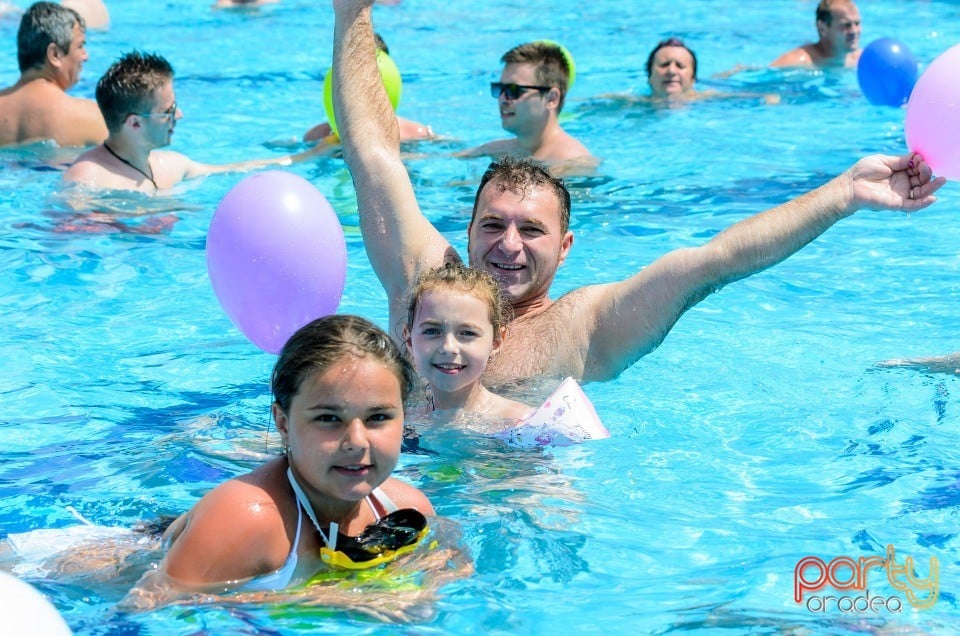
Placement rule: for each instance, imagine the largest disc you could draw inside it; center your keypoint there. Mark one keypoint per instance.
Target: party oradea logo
(863, 584)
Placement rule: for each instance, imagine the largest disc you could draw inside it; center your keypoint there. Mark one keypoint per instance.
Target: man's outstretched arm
(399, 240)
(635, 315)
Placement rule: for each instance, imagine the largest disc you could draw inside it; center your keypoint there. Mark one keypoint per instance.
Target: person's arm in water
(398, 238)
(948, 364)
(409, 131)
(193, 169)
(632, 317)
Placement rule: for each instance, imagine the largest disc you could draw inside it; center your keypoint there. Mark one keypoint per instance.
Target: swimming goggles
(513, 91)
(394, 535)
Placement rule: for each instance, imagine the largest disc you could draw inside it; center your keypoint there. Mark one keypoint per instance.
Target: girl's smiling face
(343, 427)
(451, 339)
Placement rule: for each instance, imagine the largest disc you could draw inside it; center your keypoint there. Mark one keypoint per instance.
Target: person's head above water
(519, 231)
(46, 25)
(131, 86)
(456, 320)
(838, 43)
(339, 387)
(530, 94)
(838, 25)
(51, 52)
(138, 102)
(671, 68)
(455, 277)
(549, 65)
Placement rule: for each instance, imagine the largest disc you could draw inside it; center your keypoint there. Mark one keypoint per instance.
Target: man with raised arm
(138, 102)
(519, 233)
(51, 50)
(838, 29)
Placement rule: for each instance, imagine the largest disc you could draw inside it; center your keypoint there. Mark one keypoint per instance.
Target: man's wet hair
(521, 175)
(128, 85)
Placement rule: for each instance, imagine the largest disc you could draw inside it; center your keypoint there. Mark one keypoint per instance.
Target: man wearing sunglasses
(520, 234)
(138, 102)
(530, 95)
(51, 50)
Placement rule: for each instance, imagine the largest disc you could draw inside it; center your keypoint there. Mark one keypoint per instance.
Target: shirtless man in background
(838, 25)
(51, 50)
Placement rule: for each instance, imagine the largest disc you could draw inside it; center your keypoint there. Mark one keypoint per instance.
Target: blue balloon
(887, 72)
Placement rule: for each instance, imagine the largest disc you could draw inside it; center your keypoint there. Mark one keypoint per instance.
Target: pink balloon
(932, 125)
(276, 257)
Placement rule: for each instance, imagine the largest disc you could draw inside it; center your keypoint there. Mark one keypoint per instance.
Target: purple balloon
(276, 257)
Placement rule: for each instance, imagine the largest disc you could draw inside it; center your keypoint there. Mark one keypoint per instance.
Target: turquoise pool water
(759, 433)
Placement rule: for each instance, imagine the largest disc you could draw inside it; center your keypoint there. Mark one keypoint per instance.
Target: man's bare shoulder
(801, 56)
(565, 154)
(88, 168)
(492, 149)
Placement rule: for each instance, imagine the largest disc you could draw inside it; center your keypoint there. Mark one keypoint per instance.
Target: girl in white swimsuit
(339, 388)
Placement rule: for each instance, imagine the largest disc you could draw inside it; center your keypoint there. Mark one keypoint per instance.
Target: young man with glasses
(139, 105)
(520, 233)
(51, 50)
(530, 94)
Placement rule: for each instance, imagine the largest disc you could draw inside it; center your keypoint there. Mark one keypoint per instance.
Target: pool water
(761, 431)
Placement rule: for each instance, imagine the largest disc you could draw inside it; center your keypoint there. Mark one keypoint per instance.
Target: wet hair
(521, 175)
(825, 10)
(320, 344)
(457, 277)
(552, 65)
(128, 86)
(43, 23)
(671, 42)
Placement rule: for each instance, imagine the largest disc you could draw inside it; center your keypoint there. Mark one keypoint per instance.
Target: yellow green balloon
(392, 81)
(568, 56)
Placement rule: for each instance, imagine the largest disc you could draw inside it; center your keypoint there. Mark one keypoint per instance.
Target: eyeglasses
(170, 112)
(513, 91)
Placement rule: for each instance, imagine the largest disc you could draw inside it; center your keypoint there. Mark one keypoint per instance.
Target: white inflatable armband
(566, 417)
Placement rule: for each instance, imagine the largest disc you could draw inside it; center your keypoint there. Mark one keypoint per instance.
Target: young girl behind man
(455, 323)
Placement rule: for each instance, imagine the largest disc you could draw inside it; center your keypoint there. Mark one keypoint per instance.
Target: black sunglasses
(513, 91)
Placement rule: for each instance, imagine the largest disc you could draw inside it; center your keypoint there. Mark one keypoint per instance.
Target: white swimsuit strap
(305, 504)
(377, 495)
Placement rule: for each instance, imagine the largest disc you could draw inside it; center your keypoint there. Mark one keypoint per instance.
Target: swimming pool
(759, 433)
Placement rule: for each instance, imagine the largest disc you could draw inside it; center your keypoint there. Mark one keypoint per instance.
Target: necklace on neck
(124, 161)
